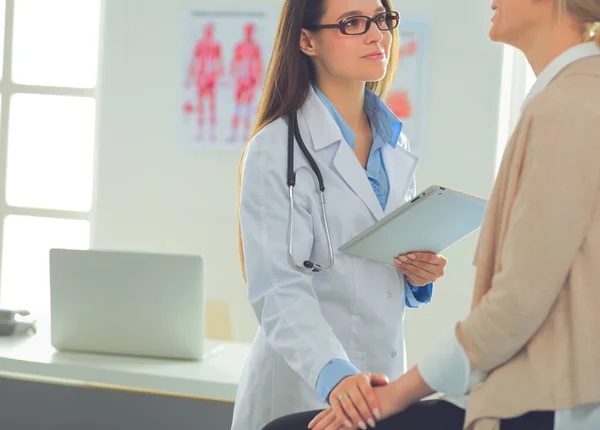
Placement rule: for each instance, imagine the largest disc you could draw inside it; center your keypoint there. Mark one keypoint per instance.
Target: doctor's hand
(421, 268)
(353, 402)
(388, 400)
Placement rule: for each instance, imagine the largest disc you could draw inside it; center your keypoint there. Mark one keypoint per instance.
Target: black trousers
(426, 415)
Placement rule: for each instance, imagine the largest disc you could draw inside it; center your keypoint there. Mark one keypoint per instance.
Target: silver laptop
(127, 303)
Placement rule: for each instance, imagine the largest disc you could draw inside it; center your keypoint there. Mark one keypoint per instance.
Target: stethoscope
(315, 172)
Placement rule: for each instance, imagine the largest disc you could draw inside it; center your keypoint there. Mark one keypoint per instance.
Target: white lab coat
(353, 312)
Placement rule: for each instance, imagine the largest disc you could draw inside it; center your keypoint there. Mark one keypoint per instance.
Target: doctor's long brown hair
(290, 73)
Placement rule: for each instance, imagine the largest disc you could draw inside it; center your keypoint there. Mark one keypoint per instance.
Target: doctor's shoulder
(268, 146)
(403, 142)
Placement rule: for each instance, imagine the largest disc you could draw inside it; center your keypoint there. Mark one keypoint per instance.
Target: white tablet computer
(434, 220)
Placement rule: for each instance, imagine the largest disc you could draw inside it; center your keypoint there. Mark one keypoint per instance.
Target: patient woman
(528, 354)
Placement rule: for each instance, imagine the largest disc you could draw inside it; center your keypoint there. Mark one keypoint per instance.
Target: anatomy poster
(407, 96)
(225, 56)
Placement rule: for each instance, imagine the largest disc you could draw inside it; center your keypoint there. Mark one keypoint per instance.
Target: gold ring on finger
(343, 397)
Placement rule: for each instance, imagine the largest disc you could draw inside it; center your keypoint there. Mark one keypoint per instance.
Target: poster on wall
(407, 96)
(225, 53)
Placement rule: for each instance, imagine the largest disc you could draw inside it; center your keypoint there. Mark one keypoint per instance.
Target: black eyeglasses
(356, 25)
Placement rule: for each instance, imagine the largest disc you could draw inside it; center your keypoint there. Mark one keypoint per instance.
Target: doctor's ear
(307, 43)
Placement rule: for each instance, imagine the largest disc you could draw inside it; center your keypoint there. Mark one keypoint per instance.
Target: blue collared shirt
(386, 129)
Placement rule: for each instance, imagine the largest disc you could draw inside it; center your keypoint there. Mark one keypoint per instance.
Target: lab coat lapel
(400, 165)
(354, 175)
(324, 132)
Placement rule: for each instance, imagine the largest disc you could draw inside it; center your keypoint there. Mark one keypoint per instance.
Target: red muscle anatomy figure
(205, 68)
(246, 70)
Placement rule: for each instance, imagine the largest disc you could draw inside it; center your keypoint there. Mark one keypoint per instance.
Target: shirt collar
(384, 122)
(571, 55)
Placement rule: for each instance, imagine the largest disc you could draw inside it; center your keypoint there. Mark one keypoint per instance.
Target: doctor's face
(515, 22)
(362, 57)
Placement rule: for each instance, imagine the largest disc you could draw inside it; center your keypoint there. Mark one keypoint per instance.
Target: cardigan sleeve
(557, 192)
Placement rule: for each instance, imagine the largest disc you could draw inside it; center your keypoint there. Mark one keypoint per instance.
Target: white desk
(32, 357)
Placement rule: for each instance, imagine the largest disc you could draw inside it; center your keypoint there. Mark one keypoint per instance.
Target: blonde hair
(587, 14)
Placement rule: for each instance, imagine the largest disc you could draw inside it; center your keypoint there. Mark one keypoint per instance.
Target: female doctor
(326, 319)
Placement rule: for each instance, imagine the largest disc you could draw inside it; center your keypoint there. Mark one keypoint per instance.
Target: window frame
(516, 83)
(7, 89)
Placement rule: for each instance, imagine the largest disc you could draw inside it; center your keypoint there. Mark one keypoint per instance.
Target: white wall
(151, 196)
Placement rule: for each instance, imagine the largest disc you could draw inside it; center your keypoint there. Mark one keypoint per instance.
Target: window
(517, 80)
(49, 64)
